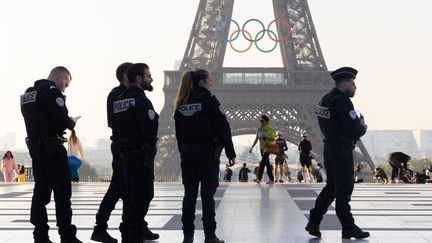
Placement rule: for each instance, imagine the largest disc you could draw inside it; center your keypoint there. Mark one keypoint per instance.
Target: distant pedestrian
(281, 156)
(304, 148)
(75, 156)
(265, 135)
(399, 164)
(9, 167)
(243, 173)
(227, 174)
(22, 174)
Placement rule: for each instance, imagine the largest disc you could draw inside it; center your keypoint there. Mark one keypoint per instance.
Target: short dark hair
(122, 69)
(265, 118)
(136, 70)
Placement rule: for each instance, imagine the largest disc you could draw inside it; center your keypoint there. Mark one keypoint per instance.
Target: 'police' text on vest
(123, 105)
(28, 97)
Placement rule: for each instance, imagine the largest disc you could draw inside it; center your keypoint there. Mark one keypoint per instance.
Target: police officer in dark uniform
(136, 125)
(46, 119)
(116, 187)
(202, 131)
(341, 128)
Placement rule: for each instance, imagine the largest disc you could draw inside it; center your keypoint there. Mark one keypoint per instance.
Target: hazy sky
(387, 41)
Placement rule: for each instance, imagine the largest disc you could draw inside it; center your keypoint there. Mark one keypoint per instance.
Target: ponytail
(189, 83)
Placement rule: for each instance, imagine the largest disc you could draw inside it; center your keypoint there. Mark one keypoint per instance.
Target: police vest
(327, 119)
(193, 120)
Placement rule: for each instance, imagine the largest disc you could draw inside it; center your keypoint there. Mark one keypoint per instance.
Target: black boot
(213, 240)
(148, 235)
(313, 229)
(101, 235)
(355, 232)
(188, 239)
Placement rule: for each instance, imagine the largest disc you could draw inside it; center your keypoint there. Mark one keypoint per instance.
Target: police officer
(341, 128)
(116, 186)
(136, 125)
(46, 119)
(202, 131)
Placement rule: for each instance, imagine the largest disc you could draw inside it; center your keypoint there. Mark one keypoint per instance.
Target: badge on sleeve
(60, 102)
(353, 115)
(221, 109)
(151, 114)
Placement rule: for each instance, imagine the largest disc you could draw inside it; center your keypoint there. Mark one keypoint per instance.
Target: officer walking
(202, 131)
(116, 187)
(341, 128)
(136, 125)
(46, 119)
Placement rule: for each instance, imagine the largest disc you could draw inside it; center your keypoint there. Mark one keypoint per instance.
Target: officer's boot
(313, 229)
(188, 238)
(213, 240)
(148, 235)
(70, 241)
(100, 234)
(355, 232)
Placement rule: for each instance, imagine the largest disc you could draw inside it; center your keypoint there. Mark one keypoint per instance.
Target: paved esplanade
(246, 212)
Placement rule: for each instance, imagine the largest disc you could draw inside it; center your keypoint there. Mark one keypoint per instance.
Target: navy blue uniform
(202, 131)
(341, 129)
(136, 125)
(116, 187)
(46, 118)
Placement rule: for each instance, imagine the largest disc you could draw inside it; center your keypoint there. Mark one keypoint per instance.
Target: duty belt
(43, 139)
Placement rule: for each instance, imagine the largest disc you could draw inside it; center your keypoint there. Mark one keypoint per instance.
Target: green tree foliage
(86, 171)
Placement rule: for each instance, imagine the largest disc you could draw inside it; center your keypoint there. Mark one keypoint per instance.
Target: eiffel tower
(287, 95)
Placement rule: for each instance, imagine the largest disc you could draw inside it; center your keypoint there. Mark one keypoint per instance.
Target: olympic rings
(280, 22)
(250, 43)
(256, 43)
(219, 29)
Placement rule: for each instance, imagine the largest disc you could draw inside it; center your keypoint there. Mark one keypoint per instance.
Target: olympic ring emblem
(248, 36)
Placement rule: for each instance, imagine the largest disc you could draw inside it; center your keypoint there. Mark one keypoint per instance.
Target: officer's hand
(75, 118)
(231, 162)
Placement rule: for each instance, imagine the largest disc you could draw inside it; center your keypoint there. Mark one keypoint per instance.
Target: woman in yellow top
(22, 174)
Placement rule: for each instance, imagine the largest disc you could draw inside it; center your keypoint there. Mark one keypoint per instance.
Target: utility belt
(44, 139)
(145, 148)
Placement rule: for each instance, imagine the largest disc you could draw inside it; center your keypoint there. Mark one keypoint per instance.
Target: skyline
(387, 44)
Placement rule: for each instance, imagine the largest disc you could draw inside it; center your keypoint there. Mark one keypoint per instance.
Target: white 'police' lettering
(28, 97)
(189, 110)
(322, 112)
(123, 105)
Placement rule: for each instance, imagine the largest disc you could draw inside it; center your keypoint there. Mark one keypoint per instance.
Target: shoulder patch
(322, 111)
(28, 97)
(353, 115)
(123, 105)
(151, 114)
(52, 87)
(60, 101)
(190, 109)
(221, 109)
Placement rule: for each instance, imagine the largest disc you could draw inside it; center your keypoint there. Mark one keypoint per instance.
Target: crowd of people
(11, 171)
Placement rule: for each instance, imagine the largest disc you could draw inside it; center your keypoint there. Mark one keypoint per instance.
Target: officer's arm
(221, 126)
(350, 123)
(109, 105)
(179, 141)
(56, 107)
(148, 120)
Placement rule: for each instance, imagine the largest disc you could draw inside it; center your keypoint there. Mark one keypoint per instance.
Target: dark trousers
(199, 165)
(398, 170)
(51, 173)
(114, 192)
(338, 162)
(265, 162)
(139, 191)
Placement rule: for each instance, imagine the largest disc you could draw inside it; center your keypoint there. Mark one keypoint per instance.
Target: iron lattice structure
(288, 95)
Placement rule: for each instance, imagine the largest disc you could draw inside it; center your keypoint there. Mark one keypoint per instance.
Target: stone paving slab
(246, 212)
